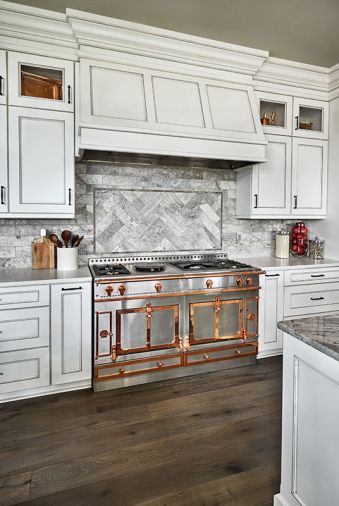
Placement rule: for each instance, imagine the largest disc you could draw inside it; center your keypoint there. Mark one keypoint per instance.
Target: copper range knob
(209, 283)
(249, 281)
(239, 281)
(109, 290)
(122, 290)
(158, 287)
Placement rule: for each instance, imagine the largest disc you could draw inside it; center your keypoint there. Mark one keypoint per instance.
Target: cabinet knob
(109, 290)
(158, 287)
(209, 283)
(122, 290)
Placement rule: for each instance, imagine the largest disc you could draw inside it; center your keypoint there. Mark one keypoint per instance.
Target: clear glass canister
(316, 248)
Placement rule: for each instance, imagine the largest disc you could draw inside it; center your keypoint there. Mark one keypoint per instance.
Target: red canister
(299, 239)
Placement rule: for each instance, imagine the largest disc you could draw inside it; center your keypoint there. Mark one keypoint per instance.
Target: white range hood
(153, 92)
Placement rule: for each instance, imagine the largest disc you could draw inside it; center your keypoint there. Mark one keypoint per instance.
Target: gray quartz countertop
(288, 263)
(43, 276)
(320, 332)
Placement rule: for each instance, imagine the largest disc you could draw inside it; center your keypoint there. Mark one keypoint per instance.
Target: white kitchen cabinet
(277, 111)
(3, 78)
(311, 118)
(271, 310)
(40, 82)
(309, 177)
(3, 161)
(41, 163)
(71, 325)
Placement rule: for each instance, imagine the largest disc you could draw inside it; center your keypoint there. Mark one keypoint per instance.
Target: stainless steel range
(162, 316)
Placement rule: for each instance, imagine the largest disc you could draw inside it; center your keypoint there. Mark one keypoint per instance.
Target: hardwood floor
(205, 440)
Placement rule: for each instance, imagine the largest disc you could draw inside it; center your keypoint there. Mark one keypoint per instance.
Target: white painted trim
(280, 501)
(52, 389)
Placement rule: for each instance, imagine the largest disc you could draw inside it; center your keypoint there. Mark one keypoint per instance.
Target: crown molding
(126, 37)
(37, 31)
(334, 82)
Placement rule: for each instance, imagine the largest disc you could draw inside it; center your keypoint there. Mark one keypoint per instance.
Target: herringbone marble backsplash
(124, 207)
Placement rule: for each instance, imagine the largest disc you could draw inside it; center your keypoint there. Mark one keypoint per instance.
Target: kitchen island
(310, 419)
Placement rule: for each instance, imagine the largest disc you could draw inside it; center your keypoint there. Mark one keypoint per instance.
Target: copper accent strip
(97, 334)
(182, 294)
(250, 316)
(148, 325)
(217, 305)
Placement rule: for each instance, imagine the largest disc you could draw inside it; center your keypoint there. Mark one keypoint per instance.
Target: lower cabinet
(24, 369)
(271, 310)
(71, 332)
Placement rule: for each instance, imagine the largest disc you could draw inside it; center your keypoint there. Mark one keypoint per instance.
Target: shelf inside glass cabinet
(41, 82)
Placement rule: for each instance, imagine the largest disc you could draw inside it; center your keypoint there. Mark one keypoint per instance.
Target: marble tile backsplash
(239, 238)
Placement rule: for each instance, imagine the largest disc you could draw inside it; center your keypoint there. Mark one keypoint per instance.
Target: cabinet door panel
(272, 179)
(71, 332)
(40, 82)
(41, 162)
(271, 310)
(278, 108)
(311, 118)
(24, 328)
(309, 177)
(3, 161)
(3, 78)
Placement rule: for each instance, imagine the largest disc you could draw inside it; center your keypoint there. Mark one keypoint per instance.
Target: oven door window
(147, 328)
(216, 320)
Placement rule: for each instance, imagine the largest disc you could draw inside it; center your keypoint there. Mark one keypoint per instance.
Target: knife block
(43, 255)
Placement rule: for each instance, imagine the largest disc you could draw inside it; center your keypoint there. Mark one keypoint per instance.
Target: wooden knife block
(43, 255)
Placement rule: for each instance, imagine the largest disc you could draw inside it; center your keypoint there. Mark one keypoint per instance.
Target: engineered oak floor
(207, 440)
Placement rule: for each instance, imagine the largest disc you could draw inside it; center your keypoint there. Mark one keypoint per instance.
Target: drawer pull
(317, 298)
(271, 275)
(71, 289)
(2, 374)
(317, 275)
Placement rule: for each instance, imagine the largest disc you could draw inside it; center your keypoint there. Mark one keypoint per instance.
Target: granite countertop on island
(320, 332)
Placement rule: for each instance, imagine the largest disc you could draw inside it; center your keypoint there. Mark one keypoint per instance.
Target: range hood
(152, 92)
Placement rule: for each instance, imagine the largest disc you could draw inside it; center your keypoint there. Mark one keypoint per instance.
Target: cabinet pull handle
(317, 275)
(3, 195)
(69, 94)
(2, 373)
(271, 275)
(297, 123)
(295, 201)
(1, 86)
(317, 298)
(255, 201)
(69, 289)
(69, 196)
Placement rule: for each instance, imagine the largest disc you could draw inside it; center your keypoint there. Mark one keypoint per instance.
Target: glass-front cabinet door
(310, 118)
(40, 82)
(275, 113)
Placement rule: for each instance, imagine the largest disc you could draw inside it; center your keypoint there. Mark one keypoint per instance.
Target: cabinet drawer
(297, 277)
(24, 328)
(142, 366)
(20, 370)
(225, 353)
(320, 298)
(24, 296)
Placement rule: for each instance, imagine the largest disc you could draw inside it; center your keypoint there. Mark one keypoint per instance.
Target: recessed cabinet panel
(41, 162)
(3, 78)
(177, 102)
(311, 118)
(271, 309)
(230, 109)
(24, 369)
(309, 177)
(3, 161)
(117, 94)
(272, 179)
(40, 82)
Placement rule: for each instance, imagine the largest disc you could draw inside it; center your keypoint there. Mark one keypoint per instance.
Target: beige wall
(300, 30)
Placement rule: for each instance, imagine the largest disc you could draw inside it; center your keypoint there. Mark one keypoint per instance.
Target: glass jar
(299, 239)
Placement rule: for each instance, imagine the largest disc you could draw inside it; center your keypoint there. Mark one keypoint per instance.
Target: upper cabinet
(40, 82)
(3, 78)
(299, 117)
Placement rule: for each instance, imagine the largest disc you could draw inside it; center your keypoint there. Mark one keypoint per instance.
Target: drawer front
(24, 369)
(216, 355)
(142, 366)
(301, 300)
(134, 288)
(297, 277)
(24, 296)
(24, 328)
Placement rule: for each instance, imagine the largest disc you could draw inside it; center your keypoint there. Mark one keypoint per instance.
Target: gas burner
(149, 267)
(213, 264)
(110, 270)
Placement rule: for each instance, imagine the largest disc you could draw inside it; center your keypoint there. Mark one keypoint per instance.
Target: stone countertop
(288, 263)
(43, 276)
(320, 332)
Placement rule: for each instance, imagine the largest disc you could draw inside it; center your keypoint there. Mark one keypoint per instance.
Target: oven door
(222, 317)
(131, 329)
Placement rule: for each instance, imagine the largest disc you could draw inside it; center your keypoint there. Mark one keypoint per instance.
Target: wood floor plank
(198, 440)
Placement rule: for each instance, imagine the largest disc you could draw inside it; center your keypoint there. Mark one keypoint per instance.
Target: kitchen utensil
(74, 239)
(282, 244)
(55, 239)
(66, 237)
(78, 241)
